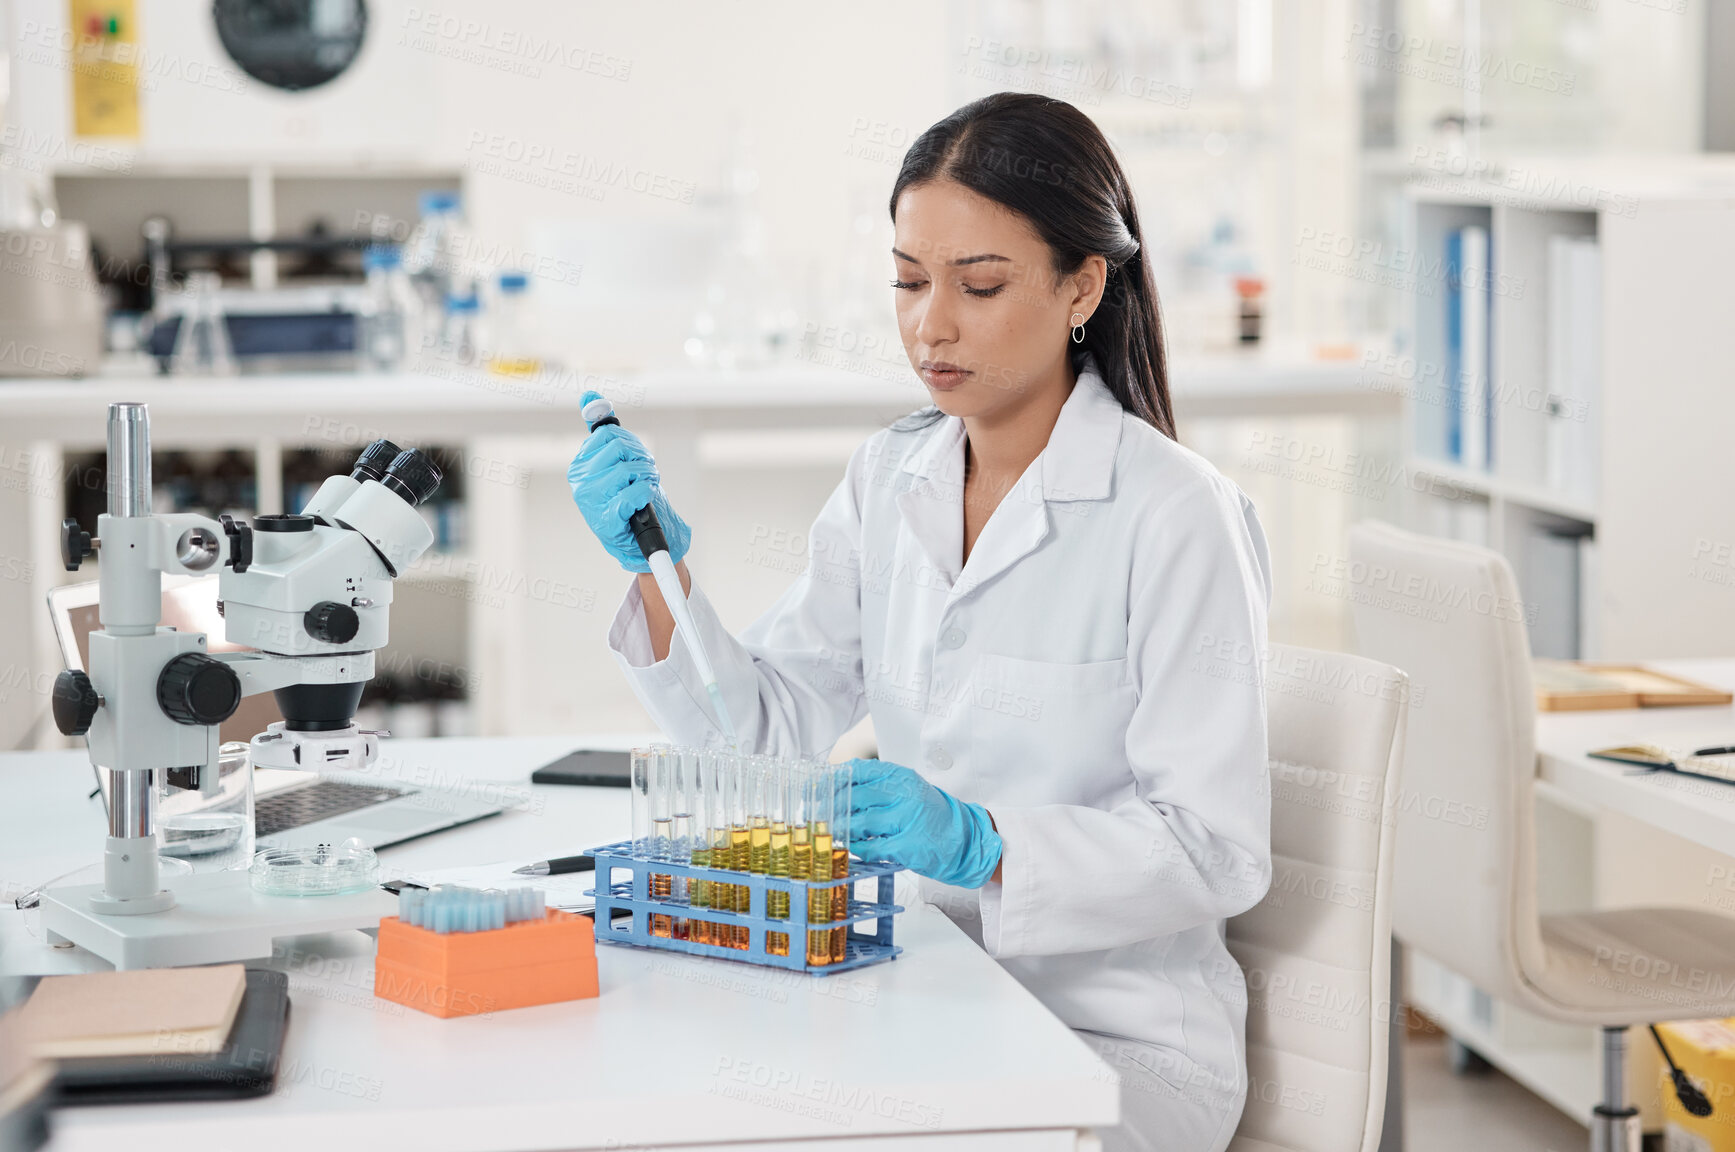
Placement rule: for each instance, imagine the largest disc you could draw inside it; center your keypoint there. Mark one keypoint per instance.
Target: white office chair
(1465, 878)
(1316, 951)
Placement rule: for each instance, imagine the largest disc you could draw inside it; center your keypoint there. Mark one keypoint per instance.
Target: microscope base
(217, 917)
(159, 901)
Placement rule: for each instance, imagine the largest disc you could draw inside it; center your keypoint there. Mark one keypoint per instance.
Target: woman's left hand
(898, 816)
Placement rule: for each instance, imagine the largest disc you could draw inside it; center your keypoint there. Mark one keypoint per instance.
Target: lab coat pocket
(1159, 1073)
(1050, 733)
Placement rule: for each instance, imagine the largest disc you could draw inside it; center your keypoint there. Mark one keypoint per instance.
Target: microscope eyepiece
(412, 476)
(374, 460)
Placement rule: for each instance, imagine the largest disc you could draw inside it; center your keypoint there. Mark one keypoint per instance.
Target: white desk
(1562, 1065)
(1702, 811)
(939, 1048)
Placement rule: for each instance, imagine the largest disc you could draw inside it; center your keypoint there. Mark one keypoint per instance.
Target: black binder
(245, 1066)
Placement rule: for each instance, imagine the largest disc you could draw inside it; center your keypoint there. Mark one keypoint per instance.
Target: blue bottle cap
(380, 256)
(434, 201)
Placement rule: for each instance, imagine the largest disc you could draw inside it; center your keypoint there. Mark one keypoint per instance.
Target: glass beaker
(211, 828)
(202, 345)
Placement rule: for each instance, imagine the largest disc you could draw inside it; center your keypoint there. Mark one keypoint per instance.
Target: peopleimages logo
(1442, 60)
(479, 42)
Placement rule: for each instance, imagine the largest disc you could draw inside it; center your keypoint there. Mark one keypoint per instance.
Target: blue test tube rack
(634, 895)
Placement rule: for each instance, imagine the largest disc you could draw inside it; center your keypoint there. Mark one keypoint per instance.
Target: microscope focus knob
(75, 702)
(74, 545)
(197, 689)
(331, 623)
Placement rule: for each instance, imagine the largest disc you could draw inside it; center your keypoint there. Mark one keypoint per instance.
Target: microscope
(309, 595)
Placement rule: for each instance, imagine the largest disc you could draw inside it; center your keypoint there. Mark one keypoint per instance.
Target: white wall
(668, 95)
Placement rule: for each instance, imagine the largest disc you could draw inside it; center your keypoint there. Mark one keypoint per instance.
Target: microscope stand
(217, 917)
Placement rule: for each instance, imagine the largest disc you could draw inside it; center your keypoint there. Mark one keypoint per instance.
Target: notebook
(245, 1066)
(1716, 761)
(24, 1092)
(152, 1010)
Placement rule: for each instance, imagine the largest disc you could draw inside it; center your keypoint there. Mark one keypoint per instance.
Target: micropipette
(655, 546)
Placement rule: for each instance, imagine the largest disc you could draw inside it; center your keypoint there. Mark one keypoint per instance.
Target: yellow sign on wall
(105, 73)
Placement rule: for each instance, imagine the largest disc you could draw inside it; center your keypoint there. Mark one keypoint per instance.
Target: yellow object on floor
(1705, 1050)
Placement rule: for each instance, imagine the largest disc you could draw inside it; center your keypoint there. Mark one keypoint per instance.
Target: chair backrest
(1449, 614)
(1316, 951)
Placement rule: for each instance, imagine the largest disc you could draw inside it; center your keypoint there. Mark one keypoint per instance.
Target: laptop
(290, 809)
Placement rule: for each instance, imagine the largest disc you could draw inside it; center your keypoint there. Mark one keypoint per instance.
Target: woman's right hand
(613, 476)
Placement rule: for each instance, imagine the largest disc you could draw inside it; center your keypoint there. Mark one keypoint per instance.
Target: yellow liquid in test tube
(759, 847)
(839, 902)
(722, 896)
(777, 903)
(801, 852)
(699, 895)
(662, 885)
(740, 854)
(819, 899)
(758, 860)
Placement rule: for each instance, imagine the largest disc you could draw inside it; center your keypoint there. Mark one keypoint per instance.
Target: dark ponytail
(1046, 161)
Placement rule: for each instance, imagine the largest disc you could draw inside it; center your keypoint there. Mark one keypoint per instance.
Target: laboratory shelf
(1490, 485)
(634, 898)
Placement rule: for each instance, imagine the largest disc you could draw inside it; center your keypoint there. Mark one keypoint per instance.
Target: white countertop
(1702, 811)
(938, 1043)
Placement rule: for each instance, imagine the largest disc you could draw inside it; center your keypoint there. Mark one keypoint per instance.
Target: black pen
(556, 866)
(1714, 751)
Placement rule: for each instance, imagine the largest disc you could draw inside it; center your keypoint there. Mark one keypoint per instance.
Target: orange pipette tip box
(468, 973)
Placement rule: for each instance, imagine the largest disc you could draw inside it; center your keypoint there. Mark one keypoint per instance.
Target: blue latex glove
(896, 815)
(612, 477)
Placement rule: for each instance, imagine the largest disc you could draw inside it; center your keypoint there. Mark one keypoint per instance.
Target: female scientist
(1053, 612)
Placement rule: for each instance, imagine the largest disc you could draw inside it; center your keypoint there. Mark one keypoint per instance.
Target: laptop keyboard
(281, 811)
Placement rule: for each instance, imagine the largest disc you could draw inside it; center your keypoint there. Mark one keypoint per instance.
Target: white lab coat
(1092, 677)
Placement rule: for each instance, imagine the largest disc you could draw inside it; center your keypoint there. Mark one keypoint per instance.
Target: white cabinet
(1607, 381)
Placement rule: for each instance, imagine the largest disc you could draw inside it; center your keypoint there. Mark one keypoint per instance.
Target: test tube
(640, 765)
(840, 858)
(760, 775)
(777, 903)
(717, 836)
(800, 827)
(686, 800)
(663, 764)
(722, 896)
(740, 836)
(819, 817)
(698, 773)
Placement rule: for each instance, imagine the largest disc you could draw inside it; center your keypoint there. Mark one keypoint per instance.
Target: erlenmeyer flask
(202, 340)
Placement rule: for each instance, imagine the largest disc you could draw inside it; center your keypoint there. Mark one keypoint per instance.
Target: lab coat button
(940, 759)
(952, 638)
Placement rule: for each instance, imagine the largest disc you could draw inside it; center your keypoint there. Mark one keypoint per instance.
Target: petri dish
(315, 870)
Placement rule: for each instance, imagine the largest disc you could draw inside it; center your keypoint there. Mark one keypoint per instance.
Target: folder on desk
(150, 1011)
(244, 1064)
(1577, 685)
(1686, 760)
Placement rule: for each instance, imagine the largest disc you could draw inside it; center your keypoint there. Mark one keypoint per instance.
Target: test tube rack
(542, 960)
(633, 895)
